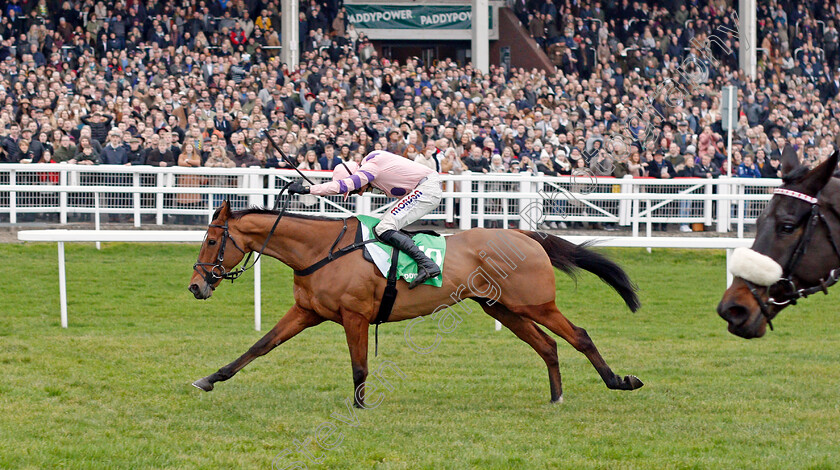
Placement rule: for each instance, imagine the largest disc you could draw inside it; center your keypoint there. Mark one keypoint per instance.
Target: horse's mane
(262, 210)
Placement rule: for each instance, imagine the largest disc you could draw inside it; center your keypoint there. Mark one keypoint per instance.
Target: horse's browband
(795, 194)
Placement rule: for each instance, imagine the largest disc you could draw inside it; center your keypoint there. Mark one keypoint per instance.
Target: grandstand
(605, 88)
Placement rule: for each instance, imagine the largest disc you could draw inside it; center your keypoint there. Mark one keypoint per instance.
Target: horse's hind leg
(293, 322)
(528, 331)
(548, 315)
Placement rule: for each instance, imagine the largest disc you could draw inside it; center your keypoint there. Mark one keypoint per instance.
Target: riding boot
(426, 268)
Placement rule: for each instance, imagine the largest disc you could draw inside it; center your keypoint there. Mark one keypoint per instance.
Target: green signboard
(411, 16)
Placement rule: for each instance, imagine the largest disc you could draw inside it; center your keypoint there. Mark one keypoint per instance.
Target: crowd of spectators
(127, 83)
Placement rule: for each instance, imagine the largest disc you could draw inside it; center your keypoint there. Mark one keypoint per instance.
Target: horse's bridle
(790, 294)
(217, 270)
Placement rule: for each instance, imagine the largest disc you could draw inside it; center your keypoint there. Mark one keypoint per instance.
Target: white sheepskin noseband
(754, 267)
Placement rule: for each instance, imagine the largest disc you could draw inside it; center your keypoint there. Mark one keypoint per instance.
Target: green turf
(113, 390)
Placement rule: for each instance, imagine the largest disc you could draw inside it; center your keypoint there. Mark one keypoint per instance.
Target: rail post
(62, 197)
(723, 205)
(626, 185)
(159, 199)
(12, 197)
(466, 204)
(135, 181)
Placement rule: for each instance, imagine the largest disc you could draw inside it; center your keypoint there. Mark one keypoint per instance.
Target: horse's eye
(787, 228)
(211, 242)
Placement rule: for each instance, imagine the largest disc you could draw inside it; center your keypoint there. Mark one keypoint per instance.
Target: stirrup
(421, 279)
(418, 280)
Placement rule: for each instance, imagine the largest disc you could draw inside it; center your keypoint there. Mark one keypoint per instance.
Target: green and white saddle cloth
(380, 253)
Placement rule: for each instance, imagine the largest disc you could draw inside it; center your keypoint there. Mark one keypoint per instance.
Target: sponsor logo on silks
(406, 201)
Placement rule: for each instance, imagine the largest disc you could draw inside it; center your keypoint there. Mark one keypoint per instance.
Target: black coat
(655, 169)
(477, 166)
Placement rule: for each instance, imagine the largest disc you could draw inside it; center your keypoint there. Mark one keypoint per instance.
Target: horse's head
(794, 248)
(219, 253)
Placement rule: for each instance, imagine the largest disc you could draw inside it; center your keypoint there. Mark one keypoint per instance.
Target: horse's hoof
(203, 384)
(558, 401)
(633, 382)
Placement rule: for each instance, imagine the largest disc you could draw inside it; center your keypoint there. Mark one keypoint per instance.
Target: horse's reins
(217, 270)
(264, 135)
(792, 294)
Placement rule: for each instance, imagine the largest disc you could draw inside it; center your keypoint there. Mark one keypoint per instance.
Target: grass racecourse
(113, 390)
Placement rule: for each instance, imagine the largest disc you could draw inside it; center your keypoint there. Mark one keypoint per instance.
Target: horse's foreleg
(356, 329)
(549, 316)
(293, 322)
(543, 344)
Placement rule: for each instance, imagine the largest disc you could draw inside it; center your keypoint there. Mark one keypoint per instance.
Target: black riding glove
(298, 188)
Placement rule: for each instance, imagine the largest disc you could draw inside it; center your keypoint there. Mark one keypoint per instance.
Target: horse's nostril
(193, 288)
(733, 313)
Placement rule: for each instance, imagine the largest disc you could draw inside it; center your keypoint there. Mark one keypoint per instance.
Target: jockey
(418, 187)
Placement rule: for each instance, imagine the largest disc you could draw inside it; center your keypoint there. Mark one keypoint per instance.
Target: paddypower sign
(410, 16)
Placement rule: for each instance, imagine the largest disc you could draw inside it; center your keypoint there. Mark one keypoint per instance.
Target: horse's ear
(223, 212)
(790, 160)
(817, 178)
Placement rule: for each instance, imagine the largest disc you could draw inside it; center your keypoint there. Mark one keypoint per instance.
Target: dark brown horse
(508, 272)
(795, 253)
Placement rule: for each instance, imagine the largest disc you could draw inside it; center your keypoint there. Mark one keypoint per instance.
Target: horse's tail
(568, 257)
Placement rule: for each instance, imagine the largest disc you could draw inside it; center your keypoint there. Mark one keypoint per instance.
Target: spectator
(772, 169)
(427, 158)
(476, 162)
(191, 159)
(706, 168)
(748, 168)
(330, 160)
(218, 159)
(136, 153)
(11, 152)
(675, 157)
(263, 22)
(149, 72)
(35, 149)
(546, 166)
(86, 154)
(161, 155)
(661, 168)
(65, 150)
(309, 161)
(242, 158)
(100, 125)
(26, 153)
(115, 153)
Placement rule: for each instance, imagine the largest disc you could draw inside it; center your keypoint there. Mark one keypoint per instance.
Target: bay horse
(516, 286)
(795, 253)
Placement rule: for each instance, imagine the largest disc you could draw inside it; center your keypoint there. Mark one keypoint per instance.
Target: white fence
(159, 236)
(166, 195)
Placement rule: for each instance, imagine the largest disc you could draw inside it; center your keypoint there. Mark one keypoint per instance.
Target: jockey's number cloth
(433, 246)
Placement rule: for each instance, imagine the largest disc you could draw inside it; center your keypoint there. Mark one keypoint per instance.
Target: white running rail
(62, 236)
